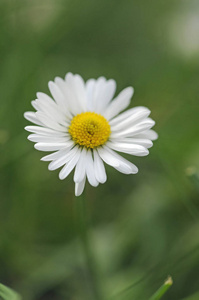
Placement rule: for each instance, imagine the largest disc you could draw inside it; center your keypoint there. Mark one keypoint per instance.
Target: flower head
(84, 128)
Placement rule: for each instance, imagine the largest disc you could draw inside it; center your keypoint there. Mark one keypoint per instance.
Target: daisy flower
(84, 128)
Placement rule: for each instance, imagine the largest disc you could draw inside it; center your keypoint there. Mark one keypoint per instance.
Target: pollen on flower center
(89, 129)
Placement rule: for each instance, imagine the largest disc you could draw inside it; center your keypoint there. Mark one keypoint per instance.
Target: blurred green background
(143, 227)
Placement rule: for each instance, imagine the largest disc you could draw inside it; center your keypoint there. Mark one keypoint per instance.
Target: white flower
(82, 125)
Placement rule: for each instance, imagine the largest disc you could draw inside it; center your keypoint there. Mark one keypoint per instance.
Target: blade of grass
(8, 294)
(162, 290)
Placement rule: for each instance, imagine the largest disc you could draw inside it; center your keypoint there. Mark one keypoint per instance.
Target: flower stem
(83, 230)
(162, 290)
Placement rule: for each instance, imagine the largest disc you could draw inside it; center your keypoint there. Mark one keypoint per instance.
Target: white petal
(52, 146)
(34, 105)
(98, 91)
(119, 103)
(134, 130)
(90, 170)
(107, 157)
(148, 134)
(56, 155)
(125, 166)
(132, 149)
(47, 139)
(143, 142)
(108, 93)
(99, 169)
(58, 96)
(131, 120)
(46, 99)
(124, 169)
(105, 94)
(90, 85)
(31, 116)
(52, 111)
(79, 187)
(76, 86)
(126, 114)
(62, 160)
(69, 97)
(45, 131)
(67, 169)
(80, 169)
(80, 91)
(47, 121)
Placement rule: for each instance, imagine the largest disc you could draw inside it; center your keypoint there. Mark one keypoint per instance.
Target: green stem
(162, 290)
(8, 294)
(82, 227)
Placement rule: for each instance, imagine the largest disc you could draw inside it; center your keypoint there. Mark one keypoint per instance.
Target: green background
(144, 227)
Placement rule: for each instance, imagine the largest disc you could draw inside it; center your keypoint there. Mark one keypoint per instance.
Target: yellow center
(89, 129)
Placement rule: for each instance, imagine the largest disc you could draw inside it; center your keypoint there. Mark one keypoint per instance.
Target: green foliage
(144, 226)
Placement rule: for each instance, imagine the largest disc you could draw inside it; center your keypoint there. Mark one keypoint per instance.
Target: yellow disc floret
(89, 130)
